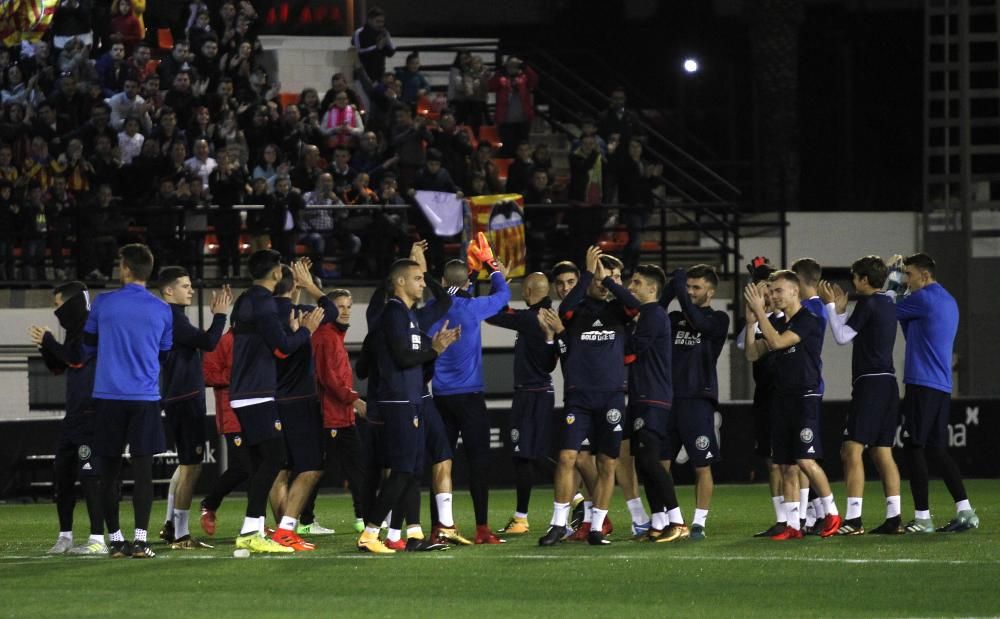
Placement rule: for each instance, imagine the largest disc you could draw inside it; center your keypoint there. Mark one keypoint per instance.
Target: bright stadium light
(691, 65)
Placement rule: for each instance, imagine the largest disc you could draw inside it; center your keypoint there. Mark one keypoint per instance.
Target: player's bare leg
(443, 519)
(790, 491)
(564, 489)
(606, 466)
(889, 473)
(703, 490)
(167, 532)
(299, 492)
(819, 482)
(628, 480)
(278, 496)
(187, 476)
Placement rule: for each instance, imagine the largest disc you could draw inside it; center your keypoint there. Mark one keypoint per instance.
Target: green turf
(728, 574)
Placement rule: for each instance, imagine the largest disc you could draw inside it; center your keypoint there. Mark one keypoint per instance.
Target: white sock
(810, 515)
(140, 535)
(892, 506)
(96, 539)
(597, 518)
(181, 523)
(117, 536)
(674, 516)
(170, 507)
(803, 497)
(66, 534)
(371, 531)
(830, 506)
(577, 498)
(262, 525)
(819, 508)
(250, 525)
(445, 517)
(638, 511)
(393, 535)
(792, 514)
(588, 507)
(388, 519)
(288, 523)
(659, 521)
(521, 515)
(779, 511)
(961, 506)
(560, 512)
(922, 514)
(414, 532)
(854, 504)
(699, 517)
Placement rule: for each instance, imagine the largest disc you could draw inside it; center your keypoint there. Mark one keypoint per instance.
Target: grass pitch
(728, 574)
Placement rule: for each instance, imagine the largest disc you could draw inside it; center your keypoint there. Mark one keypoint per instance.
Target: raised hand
(418, 254)
(445, 337)
(754, 298)
(36, 334)
(313, 319)
(825, 290)
(551, 319)
(839, 299)
(593, 258)
(222, 299)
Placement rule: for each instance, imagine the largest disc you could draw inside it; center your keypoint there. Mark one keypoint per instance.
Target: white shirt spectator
(203, 169)
(122, 107)
(130, 146)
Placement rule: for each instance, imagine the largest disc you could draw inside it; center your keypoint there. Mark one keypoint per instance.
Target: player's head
(868, 274)
(66, 291)
(919, 271)
(783, 287)
(565, 276)
(647, 283)
(135, 263)
(809, 272)
(534, 288)
(456, 274)
(341, 297)
(265, 267)
(175, 286)
(286, 287)
(406, 280)
(613, 269)
(702, 280)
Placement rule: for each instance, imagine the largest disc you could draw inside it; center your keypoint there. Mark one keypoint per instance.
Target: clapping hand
(221, 300)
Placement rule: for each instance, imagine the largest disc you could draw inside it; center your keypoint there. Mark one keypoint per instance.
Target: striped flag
(501, 217)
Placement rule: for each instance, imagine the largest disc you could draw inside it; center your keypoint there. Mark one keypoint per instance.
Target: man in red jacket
(515, 109)
(339, 400)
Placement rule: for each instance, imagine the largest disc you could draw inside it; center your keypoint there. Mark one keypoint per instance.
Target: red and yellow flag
(25, 20)
(501, 217)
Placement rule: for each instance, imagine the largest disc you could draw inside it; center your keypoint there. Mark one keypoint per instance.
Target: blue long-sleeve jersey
(460, 368)
(182, 377)
(128, 329)
(929, 318)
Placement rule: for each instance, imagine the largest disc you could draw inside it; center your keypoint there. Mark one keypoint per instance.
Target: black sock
(225, 484)
(916, 461)
(268, 458)
(648, 458)
(950, 474)
(142, 491)
(412, 500)
(111, 469)
(92, 492)
(524, 474)
(389, 494)
(480, 489)
(66, 466)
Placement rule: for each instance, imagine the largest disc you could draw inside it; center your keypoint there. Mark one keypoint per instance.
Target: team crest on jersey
(333, 432)
(277, 425)
(614, 415)
(515, 435)
(416, 421)
(199, 450)
(83, 452)
(701, 443)
(806, 435)
(570, 419)
(237, 440)
(638, 423)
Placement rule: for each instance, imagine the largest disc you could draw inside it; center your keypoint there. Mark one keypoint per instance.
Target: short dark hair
(375, 11)
(922, 261)
(337, 293)
(397, 269)
(456, 273)
(654, 273)
(287, 281)
(412, 55)
(808, 270)
(262, 262)
(565, 266)
(169, 275)
(611, 262)
(872, 268)
(69, 289)
(139, 259)
(706, 272)
(785, 274)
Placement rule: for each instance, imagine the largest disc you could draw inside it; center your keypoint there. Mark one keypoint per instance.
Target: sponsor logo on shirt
(597, 336)
(687, 338)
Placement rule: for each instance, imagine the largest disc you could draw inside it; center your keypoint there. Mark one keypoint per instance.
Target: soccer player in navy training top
(699, 336)
(259, 337)
(535, 357)
(795, 419)
(928, 315)
(130, 330)
(874, 413)
(183, 388)
(76, 435)
(595, 390)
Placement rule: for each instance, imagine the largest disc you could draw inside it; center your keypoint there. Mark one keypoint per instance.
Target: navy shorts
(402, 436)
(437, 448)
(76, 434)
(259, 422)
(596, 415)
(656, 419)
(531, 424)
(133, 422)
(795, 428)
(874, 412)
(465, 414)
(692, 424)
(925, 416)
(302, 427)
(371, 441)
(763, 400)
(185, 421)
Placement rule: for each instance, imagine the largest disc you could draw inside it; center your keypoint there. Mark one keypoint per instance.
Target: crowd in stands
(107, 138)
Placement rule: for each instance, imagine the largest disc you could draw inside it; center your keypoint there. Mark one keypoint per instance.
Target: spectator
(476, 81)
(206, 63)
(338, 84)
(130, 140)
(258, 90)
(39, 166)
(268, 167)
(143, 174)
(33, 234)
(150, 91)
(316, 225)
(539, 191)
(262, 131)
(79, 171)
(257, 225)
(477, 185)
(163, 223)
(49, 127)
(227, 183)
(223, 99)
(408, 137)
(72, 23)
(455, 146)
(167, 132)
(11, 229)
(382, 106)
(636, 179)
(588, 126)
(283, 217)
(389, 237)
(41, 64)
(415, 84)
(125, 24)
(586, 192)
(341, 170)
(75, 60)
(98, 125)
(369, 158)
(177, 161)
(105, 162)
(521, 170)
(17, 90)
(202, 127)
(201, 30)
(482, 163)
(180, 59)
(373, 44)
(294, 135)
(618, 121)
(433, 177)
(359, 192)
(342, 123)
(201, 163)
(141, 62)
(515, 106)
(543, 159)
(540, 223)
(103, 225)
(112, 68)
(69, 103)
(238, 65)
(8, 171)
(307, 173)
(229, 137)
(183, 98)
(456, 83)
(309, 102)
(128, 104)
(15, 132)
